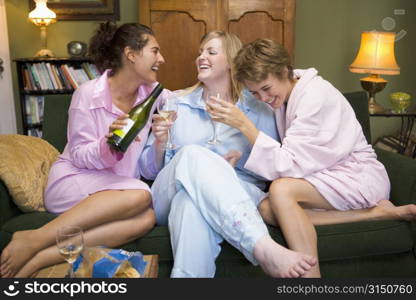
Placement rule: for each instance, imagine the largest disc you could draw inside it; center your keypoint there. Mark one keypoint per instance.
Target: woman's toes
(305, 265)
(293, 273)
(311, 260)
(300, 270)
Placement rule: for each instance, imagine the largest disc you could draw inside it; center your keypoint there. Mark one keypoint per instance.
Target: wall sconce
(42, 16)
(376, 56)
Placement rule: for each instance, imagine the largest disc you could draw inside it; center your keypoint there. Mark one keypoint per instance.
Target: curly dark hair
(109, 41)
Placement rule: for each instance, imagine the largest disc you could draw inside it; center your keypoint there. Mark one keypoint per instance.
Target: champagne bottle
(137, 119)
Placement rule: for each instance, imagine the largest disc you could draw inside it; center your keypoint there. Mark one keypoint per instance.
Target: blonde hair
(256, 60)
(231, 44)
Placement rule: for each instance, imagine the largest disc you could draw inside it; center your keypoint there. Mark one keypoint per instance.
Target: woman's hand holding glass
(163, 121)
(212, 98)
(226, 112)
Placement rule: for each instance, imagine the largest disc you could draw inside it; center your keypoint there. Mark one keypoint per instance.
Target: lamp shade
(376, 54)
(42, 15)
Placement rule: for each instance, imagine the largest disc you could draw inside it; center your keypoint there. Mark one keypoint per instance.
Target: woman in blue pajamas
(204, 193)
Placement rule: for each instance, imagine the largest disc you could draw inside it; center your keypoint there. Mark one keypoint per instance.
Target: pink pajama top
(322, 142)
(87, 165)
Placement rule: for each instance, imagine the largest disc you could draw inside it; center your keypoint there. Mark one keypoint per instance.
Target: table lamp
(42, 16)
(376, 56)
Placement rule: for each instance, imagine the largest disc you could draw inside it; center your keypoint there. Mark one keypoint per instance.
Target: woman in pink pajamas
(91, 186)
(324, 170)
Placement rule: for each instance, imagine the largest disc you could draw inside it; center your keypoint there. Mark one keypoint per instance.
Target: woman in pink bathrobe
(324, 170)
(90, 185)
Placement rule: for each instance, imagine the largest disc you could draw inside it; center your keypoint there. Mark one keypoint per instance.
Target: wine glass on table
(70, 243)
(215, 125)
(167, 108)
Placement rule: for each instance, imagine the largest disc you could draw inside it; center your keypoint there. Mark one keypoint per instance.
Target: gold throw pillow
(24, 167)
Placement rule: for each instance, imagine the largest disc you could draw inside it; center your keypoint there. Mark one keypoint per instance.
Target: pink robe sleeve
(312, 141)
(87, 149)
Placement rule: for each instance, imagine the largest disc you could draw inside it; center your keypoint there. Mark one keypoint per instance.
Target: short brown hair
(256, 60)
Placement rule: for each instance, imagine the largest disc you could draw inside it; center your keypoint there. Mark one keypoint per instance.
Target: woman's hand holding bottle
(119, 123)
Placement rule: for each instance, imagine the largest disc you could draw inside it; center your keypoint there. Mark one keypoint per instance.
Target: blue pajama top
(193, 126)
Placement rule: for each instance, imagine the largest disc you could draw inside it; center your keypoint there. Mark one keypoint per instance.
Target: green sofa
(363, 249)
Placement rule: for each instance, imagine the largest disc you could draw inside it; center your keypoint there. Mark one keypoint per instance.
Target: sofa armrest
(7, 207)
(402, 174)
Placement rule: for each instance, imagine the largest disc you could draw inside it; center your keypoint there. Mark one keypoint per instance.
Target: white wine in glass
(70, 243)
(214, 139)
(167, 109)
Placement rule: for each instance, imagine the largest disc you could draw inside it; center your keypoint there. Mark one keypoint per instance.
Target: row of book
(44, 76)
(35, 132)
(34, 106)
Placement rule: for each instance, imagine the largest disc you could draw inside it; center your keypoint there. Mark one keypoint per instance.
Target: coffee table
(60, 270)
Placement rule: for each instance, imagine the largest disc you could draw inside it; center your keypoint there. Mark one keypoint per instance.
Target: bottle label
(123, 131)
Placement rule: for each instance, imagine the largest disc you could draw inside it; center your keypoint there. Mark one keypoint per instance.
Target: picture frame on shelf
(73, 10)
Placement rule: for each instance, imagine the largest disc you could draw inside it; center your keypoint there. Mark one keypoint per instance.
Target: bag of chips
(100, 262)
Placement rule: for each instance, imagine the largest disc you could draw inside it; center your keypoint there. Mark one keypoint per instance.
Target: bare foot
(28, 269)
(21, 248)
(278, 261)
(5, 270)
(404, 212)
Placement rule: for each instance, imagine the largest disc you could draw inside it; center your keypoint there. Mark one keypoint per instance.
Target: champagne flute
(70, 242)
(167, 109)
(214, 139)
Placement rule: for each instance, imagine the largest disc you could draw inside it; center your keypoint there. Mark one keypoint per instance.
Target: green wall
(327, 38)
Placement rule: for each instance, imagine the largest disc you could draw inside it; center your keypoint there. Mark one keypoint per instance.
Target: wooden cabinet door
(273, 19)
(180, 24)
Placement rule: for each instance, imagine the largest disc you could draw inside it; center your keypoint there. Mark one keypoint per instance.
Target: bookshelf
(38, 77)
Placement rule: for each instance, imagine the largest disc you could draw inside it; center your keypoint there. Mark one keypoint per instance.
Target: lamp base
(374, 107)
(373, 84)
(44, 53)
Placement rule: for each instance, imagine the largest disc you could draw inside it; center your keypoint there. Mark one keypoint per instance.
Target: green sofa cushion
(55, 120)
(339, 241)
(28, 221)
(345, 241)
(7, 207)
(156, 241)
(361, 239)
(402, 175)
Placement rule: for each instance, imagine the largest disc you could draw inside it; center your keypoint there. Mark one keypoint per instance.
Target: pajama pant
(200, 196)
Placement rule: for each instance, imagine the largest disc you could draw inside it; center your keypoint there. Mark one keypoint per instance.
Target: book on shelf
(40, 77)
(69, 76)
(37, 132)
(46, 76)
(34, 106)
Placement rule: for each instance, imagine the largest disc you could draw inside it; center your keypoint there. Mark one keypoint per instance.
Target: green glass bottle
(138, 116)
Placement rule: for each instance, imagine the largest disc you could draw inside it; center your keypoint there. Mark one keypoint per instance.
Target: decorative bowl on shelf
(400, 102)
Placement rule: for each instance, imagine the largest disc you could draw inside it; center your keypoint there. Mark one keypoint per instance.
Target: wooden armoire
(180, 24)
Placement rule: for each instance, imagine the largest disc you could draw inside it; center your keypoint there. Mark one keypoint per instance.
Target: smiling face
(146, 62)
(212, 64)
(273, 91)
